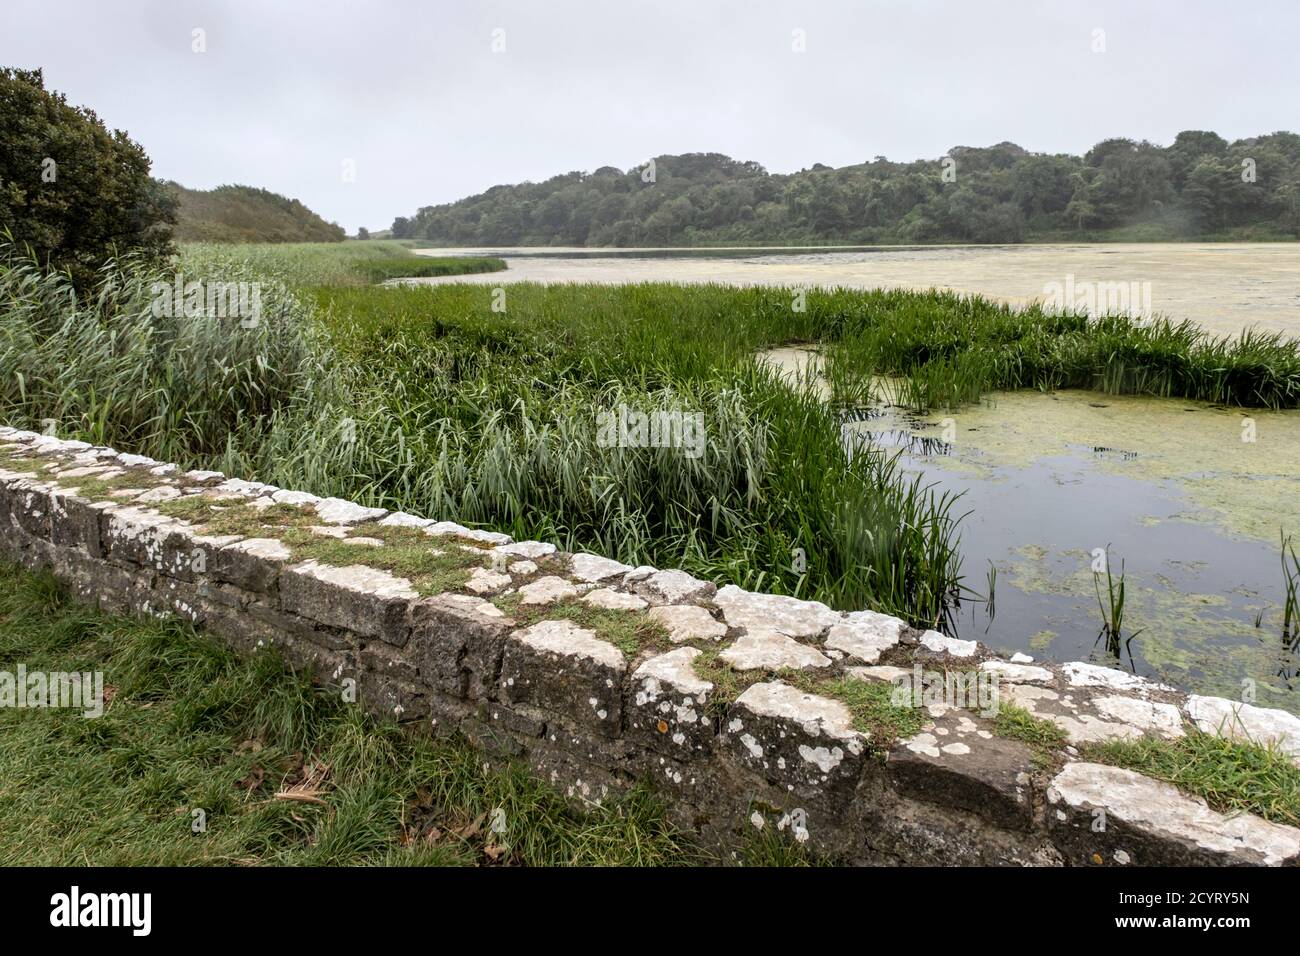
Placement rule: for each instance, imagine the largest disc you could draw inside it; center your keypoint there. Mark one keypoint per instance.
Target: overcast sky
(413, 94)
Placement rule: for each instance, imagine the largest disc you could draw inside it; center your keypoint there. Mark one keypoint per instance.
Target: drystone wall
(743, 710)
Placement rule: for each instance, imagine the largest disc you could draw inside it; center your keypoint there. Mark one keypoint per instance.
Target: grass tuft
(1232, 776)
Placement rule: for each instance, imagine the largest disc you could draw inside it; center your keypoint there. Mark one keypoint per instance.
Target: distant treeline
(1201, 187)
(247, 214)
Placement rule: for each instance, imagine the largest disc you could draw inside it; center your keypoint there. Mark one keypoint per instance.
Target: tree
(363, 232)
(1001, 193)
(70, 190)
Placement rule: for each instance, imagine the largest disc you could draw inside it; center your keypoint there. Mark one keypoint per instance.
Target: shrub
(71, 190)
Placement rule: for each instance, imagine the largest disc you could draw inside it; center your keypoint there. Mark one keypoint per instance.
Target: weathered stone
(49, 445)
(1018, 673)
(87, 471)
(442, 528)
(200, 477)
(253, 563)
(339, 512)
(942, 644)
(566, 670)
(1081, 674)
(370, 602)
(1162, 720)
(953, 765)
(386, 696)
(1101, 811)
(547, 590)
(1260, 725)
(383, 658)
(771, 612)
(880, 672)
(75, 522)
(673, 587)
(688, 622)
(483, 581)
(139, 536)
(865, 635)
(800, 742)
(525, 549)
(289, 628)
(29, 505)
(297, 498)
(456, 641)
(400, 519)
(639, 573)
(666, 711)
(611, 600)
(594, 569)
(238, 488)
(159, 494)
(137, 461)
(769, 650)
(337, 532)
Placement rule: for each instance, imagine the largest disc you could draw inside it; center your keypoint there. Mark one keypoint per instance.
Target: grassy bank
(190, 727)
(348, 263)
(950, 350)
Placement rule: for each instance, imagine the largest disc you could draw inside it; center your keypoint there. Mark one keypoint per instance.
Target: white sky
(413, 93)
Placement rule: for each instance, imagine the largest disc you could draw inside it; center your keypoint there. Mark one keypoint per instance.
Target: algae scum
(1191, 498)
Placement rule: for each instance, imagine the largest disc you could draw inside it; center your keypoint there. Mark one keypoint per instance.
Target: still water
(1189, 499)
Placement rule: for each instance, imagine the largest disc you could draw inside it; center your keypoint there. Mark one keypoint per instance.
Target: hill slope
(1201, 186)
(247, 214)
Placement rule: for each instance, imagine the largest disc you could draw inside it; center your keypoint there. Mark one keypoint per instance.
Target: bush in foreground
(73, 192)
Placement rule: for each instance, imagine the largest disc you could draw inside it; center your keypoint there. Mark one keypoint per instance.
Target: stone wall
(743, 710)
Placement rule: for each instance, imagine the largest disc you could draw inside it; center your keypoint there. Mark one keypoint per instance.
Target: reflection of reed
(899, 439)
(1101, 451)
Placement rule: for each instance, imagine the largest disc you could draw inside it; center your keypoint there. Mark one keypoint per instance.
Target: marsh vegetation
(456, 402)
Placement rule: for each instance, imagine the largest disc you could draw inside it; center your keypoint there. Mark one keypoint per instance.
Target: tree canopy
(71, 190)
(1201, 186)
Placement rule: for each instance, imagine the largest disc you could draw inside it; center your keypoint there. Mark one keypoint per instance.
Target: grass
(1017, 723)
(347, 263)
(630, 632)
(1232, 776)
(950, 349)
(189, 727)
(1291, 584)
(869, 702)
(1112, 609)
(1045, 739)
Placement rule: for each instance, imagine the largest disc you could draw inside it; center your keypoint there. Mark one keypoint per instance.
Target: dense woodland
(1201, 186)
(247, 214)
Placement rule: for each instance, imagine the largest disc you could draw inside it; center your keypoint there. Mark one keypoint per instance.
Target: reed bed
(348, 263)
